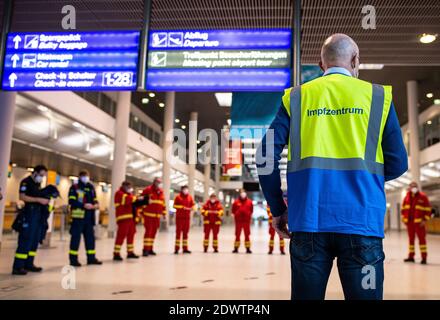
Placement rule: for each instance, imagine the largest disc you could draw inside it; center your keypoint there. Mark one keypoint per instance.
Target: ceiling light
(229, 122)
(14, 165)
(145, 100)
(161, 104)
(429, 122)
(431, 164)
(177, 120)
(73, 140)
(371, 66)
(429, 95)
(198, 141)
(100, 150)
(43, 108)
(427, 38)
(152, 94)
(224, 99)
(77, 124)
(136, 119)
(437, 101)
(183, 127)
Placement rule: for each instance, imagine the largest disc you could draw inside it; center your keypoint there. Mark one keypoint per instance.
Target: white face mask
(414, 190)
(130, 190)
(84, 179)
(212, 200)
(243, 195)
(38, 178)
(185, 191)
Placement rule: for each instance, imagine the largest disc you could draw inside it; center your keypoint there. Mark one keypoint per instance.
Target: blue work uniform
(83, 221)
(33, 222)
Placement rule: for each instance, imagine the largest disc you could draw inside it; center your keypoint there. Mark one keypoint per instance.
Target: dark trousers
(82, 227)
(359, 260)
(28, 238)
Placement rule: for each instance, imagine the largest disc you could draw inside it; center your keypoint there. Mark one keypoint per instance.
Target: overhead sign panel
(219, 60)
(104, 60)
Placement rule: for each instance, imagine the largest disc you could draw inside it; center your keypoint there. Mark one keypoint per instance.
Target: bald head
(339, 50)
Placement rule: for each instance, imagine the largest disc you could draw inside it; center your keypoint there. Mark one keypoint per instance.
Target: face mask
(130, 190)
(243, 195)
(212, 200)
(185, 191)
(84, 179)
(414, 190)
(38, 179)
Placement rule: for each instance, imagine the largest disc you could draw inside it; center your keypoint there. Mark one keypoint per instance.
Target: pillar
(168, 126)
(217, 178)
(120, 151)
(207, 179)
(413, 126)
(7, 114)
(192, 151)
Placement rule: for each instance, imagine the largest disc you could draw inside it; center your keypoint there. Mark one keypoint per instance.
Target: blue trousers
(359, 260)
(83, 227)
(28, 238)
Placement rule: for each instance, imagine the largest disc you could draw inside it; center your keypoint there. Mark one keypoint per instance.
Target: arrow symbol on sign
(12, 79)
(17, 40)
(14, 60)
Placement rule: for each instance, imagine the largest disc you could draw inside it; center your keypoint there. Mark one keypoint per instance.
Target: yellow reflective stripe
(78, 213)
(32, 254)
(123, 199)
(218, 222)
(418, 220)
(152, 215)
(176, 206)
(428, 217)
(73, 252)
(124, 216)
(72, 197)
(407, 206)
(157, 202)
(91, 251)
(117, 205)
(206, 222)
(22, 256)
(423, 208)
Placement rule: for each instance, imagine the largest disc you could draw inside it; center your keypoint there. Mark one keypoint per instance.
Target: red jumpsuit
(415, 209)
(242, 210)
(183, 205)
(152, 213)
(125, 220)
(272, 234)
(212, 219)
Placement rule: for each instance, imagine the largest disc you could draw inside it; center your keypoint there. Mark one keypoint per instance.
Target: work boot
(205, 249)
(235, 250)
(145, 253)
(424, 261)
(176, 251)
(409, 260)
(132, 256)
(75, 264)
(215, 250)
(152, 253)
(19, 272)
(248, 250)
(117, 257)
(34, 268)
(94, 262)
(270, 252)
(186, 251)
(282, 252)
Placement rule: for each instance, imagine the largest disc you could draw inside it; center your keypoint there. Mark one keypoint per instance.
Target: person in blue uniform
(83, 203)
(32, 222)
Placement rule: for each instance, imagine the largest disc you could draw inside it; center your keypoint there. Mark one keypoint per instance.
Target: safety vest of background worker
(272, 234)
(212, 212)
(32, 222)
(416, 209)
(184, 204)
(83, 204)
(126, 220)
(242, 209)
(152, 214)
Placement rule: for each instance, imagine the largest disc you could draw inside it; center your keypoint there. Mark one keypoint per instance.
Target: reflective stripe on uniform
(22, 256)
(32, 254)
(152, 215)
(73, 252)
(124, 216)
(157, 202)
(423, 208)
(91, 251)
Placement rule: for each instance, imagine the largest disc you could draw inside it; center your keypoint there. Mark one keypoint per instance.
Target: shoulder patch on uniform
(23, 188)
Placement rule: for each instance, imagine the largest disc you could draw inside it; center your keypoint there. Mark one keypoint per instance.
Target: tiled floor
(201, 276)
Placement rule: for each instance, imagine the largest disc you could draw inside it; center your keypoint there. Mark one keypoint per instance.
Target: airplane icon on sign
(175, 39)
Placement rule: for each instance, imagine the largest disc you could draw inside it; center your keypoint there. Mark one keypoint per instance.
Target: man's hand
(43, 201)
(280, 226)
(422, 224)
(89, 206)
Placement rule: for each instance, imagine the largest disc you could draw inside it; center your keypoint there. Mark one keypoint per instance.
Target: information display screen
(219, 60)
(104, 60)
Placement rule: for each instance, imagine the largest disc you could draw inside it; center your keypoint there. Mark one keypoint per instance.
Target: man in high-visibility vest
(212, 212)
(344, 141)
(272, 234)
(416, 209)
(152, 214)
(184, 204)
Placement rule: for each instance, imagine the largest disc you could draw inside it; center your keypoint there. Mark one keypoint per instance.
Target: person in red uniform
(124, 200)
(152, 214)
(272, 234)
(183, 203)
(212, 212)
(416, 209)
(242, 210)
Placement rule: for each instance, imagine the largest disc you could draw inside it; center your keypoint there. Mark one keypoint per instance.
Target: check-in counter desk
(433, 225)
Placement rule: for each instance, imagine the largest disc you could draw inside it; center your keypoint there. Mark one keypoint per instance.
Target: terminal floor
(199, 275)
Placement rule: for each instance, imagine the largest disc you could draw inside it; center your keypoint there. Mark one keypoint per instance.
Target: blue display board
(219, 60)
(104, 60)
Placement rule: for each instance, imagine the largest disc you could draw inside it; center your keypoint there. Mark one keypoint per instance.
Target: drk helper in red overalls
(272, 234)
(212, 213)
(125, 218)
(152, 214)
(242, 210)
(183, 203)
(415, 211)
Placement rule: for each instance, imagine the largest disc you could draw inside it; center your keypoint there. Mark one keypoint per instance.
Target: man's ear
(353, 62)
(321, 65)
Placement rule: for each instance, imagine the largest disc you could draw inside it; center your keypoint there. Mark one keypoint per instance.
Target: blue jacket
(311, 184)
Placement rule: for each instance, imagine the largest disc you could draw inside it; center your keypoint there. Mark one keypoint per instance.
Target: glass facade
(429, 132)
